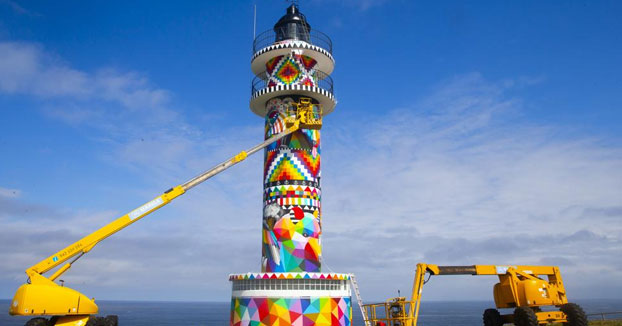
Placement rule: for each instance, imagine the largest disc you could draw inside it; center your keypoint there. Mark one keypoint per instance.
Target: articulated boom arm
(87, 243)
(415, 303)
(519, 287)
(495, 270)
(512, 279)
(42, 296)
(510, 275)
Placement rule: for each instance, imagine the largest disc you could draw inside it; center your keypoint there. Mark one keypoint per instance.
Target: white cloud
(130, 89)
(182, 252)
(458, 178)
(367, 4)
(110, 100)
(25, 68)
(10, 193)
(135, 118)
(17, 8)
(362, 5)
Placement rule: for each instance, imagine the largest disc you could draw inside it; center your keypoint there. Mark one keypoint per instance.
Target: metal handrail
(381, 312)
(317, 38)
(322, 80)
(603, 314)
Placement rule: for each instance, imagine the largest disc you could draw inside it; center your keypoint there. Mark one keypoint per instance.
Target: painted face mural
(292, 209)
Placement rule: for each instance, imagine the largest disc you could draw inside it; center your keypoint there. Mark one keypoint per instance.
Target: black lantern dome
(292, 26)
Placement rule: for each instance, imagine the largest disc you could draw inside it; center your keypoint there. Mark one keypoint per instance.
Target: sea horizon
(169, 313)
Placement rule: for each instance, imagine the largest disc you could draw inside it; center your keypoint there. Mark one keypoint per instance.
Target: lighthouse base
(283, 299)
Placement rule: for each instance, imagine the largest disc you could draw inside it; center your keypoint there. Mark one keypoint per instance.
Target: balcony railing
(321, 80)
(314, 37)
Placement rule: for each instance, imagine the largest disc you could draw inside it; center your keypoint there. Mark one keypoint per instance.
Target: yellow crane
(41, 296)
(520, 287)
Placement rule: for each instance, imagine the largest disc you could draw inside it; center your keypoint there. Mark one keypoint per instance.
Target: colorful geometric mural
(292, 195)
(322, 311)
(275, 119)
(287, 164)
(291, 244)
(288, 72)
(291, 290)
(289, 276)
(291, 69)
(306, 197)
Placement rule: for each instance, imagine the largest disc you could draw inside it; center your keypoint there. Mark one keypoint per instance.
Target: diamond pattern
(291, 70)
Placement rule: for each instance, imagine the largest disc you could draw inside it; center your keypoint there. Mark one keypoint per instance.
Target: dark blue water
(132, 313)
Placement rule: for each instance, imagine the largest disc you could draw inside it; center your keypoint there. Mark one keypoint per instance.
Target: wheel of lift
(525, 316)
(574, 314)
(112, 320)
(492, 317)
(38, 321)
(96, 321)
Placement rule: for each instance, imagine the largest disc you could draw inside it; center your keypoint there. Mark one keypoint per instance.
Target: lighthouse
(292, 64)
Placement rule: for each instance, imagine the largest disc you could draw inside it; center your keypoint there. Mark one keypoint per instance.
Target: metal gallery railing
(271, 37)
(390, 313)
(320, 79)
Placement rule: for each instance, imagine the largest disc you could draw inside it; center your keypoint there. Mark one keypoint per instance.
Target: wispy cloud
(10, 193)
(106, 99)
(362, 5)
(187, 250)
(27, 69)
(456, 178)
(18, 8)
(459, 178)
(131, 114)
(135, 128)
(367, 4)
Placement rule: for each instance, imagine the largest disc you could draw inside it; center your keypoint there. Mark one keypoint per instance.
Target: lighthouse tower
(292, 64)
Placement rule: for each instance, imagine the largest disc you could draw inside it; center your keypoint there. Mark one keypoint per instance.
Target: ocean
(433, 313)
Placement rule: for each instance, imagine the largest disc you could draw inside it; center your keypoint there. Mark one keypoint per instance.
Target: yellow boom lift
(519, 287)
(41, 296)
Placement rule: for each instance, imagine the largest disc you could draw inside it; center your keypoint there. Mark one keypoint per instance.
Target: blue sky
(466, 133)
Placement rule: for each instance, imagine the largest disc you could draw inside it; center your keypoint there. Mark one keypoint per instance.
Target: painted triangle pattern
(287, 165)
(292, 44)
(306, 81)
(311, 162)
(289, 276)
(308, 62)
(314, 311)
(272, 63)
(309, 198)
